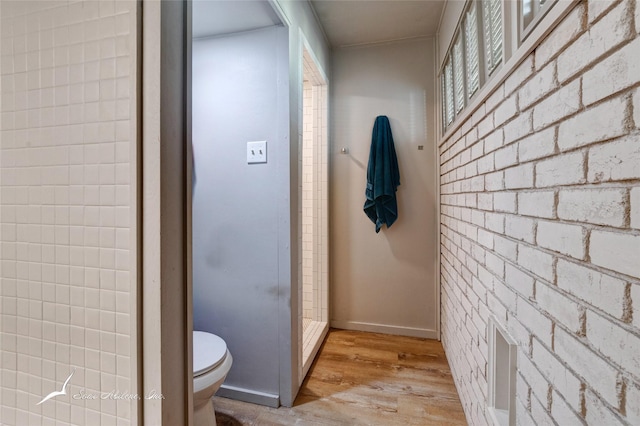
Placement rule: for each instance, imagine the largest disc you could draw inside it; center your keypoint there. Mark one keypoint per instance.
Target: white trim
(150, 188)
(436, 158)
(314, 351)
(166, 348)
(275, 4)
(135, 216)
(494, 328)
(188, 93)
(509, 30)
(436, 132)
(247, 395)
(386, 329)
(554, 16)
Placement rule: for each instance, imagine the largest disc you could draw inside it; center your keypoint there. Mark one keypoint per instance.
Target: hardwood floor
(364, 379)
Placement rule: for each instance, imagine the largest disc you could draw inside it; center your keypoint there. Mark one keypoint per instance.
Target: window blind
(472, 50)
(444, 100)
(492, 10)
(458, 74)
(448, 74)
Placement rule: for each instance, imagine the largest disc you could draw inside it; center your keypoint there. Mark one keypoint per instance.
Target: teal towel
(383, 176)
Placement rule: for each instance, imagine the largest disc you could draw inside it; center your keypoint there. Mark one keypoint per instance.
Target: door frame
(165, 322)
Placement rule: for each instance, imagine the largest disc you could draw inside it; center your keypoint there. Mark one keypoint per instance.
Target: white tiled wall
(321, 289)
(308, 166)
(67, 283)
(314, 194)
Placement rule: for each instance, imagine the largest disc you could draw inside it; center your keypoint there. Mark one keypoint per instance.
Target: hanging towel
(383, 176)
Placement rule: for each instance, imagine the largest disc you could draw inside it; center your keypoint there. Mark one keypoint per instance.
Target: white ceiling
(345, 22)
(353, 22)
(216, 17)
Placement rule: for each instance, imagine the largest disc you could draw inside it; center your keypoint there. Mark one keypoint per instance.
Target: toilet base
(204, 415)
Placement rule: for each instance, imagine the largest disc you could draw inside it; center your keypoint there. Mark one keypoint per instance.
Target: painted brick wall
(66, 280)
(540, 196)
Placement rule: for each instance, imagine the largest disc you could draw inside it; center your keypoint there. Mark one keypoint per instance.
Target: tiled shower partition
(67, 275)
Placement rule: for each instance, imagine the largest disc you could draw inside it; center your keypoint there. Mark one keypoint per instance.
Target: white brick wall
(542, 83)
(598, 206)
(614, 341)
(534, 320)
(636, 107)
(619, 160)
(602, 122)
(539, 204)
(551, 246)
(561, 308)
(561, 170)
(562, 413)
(518, 280)
(588, 364)
(635, 208)
(609, 77)
(517, 128)
(504, 201)
(597, 412)
(505, 157)
(558, 105)
(607, 33)
(534, 379)
(561, 237)
(558, 375)
(520, 228)
(598, 7)
(536, 261)
(616, 251)
(566, 31)
(519, 177)
(537, 145)
(600, 290)
(633, 412)
(505, 111)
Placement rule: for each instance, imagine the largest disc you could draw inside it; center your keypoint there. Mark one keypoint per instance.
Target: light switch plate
(256, 152)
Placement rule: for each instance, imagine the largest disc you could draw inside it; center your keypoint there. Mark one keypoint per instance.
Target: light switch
(256, 152)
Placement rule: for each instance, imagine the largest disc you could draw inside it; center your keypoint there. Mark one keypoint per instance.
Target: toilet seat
(209, 351)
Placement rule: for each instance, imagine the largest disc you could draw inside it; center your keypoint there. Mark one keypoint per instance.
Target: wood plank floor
(364, 379)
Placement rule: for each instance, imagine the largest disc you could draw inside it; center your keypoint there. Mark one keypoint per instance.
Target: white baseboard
(248, 395)
(386, 329)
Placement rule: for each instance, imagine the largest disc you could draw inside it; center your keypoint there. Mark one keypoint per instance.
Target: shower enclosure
(313, 211)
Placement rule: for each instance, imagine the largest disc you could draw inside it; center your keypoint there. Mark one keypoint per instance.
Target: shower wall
(314, 184)
(308, 165)
(239, 95)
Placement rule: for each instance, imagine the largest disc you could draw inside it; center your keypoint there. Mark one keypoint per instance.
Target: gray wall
(384, 282)
(239, 95)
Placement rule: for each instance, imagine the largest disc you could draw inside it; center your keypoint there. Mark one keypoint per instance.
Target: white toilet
(211, 363)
